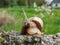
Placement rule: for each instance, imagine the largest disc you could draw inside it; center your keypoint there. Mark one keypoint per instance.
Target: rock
(14, 37)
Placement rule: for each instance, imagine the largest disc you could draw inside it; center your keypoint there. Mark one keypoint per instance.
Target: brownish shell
(38, 22)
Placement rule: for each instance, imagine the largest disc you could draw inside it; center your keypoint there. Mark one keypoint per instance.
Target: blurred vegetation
(11, 3)
(14, 11)
(51, 22)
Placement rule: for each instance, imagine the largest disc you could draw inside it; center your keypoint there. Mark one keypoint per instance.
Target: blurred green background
(51, 23)
(14, 8)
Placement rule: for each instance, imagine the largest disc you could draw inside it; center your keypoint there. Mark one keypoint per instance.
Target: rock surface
(14, 38)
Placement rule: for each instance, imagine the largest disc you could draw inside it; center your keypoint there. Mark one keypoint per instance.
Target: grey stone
(16, 38)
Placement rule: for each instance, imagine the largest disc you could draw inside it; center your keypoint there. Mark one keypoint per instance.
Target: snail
(32, 26)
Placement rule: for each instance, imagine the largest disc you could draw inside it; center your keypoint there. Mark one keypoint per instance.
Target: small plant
(43, 10)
